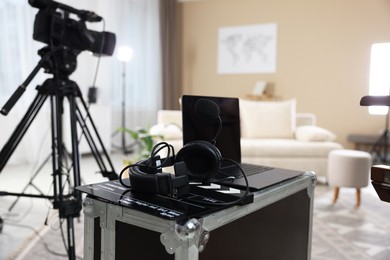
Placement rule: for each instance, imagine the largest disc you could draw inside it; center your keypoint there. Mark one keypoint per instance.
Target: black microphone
(89, 16)
(209, 110)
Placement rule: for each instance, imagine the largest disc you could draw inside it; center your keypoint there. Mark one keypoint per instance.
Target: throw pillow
(313, 133)
(169, 131)
(267, 119)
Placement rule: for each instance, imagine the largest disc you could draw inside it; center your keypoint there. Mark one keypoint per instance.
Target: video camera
(51, 26)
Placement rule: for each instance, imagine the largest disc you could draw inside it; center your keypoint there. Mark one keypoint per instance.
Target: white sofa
(272, 134)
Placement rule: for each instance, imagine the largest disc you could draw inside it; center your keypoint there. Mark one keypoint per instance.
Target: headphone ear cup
(147, 179)
(201, 158)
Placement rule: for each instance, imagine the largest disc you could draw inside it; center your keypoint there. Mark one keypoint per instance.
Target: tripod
(380, 148)
(61, 62)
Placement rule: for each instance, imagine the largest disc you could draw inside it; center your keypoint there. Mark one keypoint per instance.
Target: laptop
(196, 127)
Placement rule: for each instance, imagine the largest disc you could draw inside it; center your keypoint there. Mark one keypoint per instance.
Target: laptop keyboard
(233, 170)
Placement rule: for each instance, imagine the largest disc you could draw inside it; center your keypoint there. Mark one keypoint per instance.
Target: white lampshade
(124, 54)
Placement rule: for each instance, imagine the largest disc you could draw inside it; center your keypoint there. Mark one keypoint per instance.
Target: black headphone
(197, 161)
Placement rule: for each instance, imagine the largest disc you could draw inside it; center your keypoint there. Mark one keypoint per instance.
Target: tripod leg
(75, 145)
(56, 146)
(70, 233)
(76, 175)
(379, 149)
(21, 129)
(385, 146)
(110, 174)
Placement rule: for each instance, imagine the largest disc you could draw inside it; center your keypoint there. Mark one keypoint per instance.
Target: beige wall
(323, 54)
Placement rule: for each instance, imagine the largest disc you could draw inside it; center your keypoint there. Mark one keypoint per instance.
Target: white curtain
(135, 23)
(18, 57)
(138, 27)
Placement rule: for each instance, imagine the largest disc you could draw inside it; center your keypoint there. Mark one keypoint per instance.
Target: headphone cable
(148, 162)
(235, 202)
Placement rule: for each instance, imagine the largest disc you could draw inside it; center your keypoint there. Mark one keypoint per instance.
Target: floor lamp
(381, 146)
(124, 55)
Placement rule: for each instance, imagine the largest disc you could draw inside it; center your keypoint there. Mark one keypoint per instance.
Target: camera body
(56, 28)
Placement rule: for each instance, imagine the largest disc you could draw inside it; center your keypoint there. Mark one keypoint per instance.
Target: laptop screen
(196, 127)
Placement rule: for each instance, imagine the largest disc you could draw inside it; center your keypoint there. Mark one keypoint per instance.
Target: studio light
(125, 54)
(379, 84)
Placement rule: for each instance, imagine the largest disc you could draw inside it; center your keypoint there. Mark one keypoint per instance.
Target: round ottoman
(348, 168)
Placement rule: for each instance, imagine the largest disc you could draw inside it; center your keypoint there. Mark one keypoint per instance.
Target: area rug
(340, 231)
(51, 243)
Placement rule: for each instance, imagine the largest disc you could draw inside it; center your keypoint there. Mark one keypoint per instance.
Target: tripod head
(61, 63)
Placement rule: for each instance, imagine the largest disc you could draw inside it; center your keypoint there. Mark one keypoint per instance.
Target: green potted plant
(143, 143)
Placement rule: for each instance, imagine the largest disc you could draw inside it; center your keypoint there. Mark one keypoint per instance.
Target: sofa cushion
(283, 148)
(267, 119)
(313, 133)
(169, 117)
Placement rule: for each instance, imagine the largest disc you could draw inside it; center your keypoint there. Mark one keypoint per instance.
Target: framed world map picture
(247, 49)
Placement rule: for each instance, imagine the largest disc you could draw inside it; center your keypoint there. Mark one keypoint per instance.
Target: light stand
(380, 148)
(124, 55)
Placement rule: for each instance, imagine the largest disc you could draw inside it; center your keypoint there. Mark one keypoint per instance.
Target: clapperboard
(188, 206)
